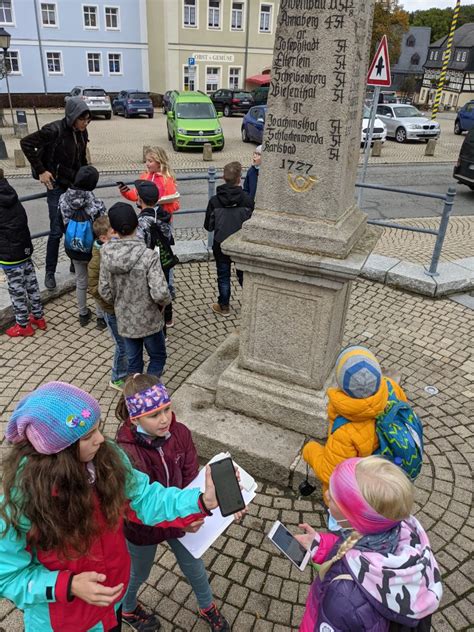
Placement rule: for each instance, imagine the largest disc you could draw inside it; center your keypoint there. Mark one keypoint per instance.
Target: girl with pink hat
(380, 574)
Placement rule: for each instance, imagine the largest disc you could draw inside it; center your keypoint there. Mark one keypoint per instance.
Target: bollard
(3, 149)
(145, 149)
(377, 149)
(19, 158)
(20, 130)
(430, 147)
(207, 151)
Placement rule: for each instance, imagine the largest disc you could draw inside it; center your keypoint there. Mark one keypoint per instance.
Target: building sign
(214, 57)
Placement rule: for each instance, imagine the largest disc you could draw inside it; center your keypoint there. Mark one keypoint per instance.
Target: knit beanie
(53, 417)
(358, 373)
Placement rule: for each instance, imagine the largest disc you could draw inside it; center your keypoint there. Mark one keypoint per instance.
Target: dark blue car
(253, 124)
(465, 118)
(133, 103)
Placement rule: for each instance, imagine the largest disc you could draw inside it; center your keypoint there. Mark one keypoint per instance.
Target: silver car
(96, 100)
(405, 122)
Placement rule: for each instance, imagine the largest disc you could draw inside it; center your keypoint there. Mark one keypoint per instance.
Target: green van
(192, 121)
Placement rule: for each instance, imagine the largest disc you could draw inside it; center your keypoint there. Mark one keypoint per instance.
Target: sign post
(191, 72)
(378, 76)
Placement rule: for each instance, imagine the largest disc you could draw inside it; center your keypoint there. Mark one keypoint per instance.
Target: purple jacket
(171, 461)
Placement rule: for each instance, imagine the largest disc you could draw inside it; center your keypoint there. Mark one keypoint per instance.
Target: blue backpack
(400, 434)
(79, 237)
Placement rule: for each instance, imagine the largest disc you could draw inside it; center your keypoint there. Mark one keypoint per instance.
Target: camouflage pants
(24, 292)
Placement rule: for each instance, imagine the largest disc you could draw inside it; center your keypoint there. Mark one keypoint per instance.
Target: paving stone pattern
(429, 341)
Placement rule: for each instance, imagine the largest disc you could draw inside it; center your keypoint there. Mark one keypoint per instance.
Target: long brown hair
(133, 384)
(54, 493)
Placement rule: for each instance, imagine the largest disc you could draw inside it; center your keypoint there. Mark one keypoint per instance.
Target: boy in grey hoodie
(131, 278)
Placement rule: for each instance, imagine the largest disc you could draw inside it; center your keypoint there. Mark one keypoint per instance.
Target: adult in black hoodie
(225, 214)
(56, 152)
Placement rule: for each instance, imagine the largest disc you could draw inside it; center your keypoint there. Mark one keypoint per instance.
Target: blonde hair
(354, 537)
(158, 154)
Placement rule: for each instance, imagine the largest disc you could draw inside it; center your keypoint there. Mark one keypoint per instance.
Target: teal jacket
(37, 581)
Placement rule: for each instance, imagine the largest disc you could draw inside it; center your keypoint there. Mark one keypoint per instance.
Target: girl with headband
(381, 573)
(162, 447)
(67, 490)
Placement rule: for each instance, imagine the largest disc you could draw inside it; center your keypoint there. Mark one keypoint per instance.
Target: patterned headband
(148, 401)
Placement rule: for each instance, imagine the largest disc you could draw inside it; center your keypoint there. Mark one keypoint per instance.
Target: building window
(212, 79)
(6, 12)
(234, 78)
(48, 14)
(189, 78)
(214, 14)
(115, 63)
(434, 55)
(189, 13)
(90, 17)
(411, 41)
(12, 62)
(54, 63)
(265, 18)
(112, 18)
(415, 59)
(237, 16)
(94, 63)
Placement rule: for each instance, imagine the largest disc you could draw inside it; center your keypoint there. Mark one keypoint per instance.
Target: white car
(404, 122)
(380, 131)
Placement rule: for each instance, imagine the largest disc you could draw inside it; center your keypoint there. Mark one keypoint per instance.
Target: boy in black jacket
(16, 249)
(226, 212)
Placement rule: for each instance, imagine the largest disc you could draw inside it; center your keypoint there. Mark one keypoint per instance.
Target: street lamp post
(5, 38)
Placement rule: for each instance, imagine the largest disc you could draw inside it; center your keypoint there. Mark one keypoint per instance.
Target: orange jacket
(166, 186)
(356, 438)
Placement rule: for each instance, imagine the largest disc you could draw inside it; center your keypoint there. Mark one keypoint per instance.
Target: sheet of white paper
(198, 543)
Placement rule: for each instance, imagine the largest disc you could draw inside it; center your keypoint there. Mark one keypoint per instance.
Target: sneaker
(169, 323)
(222, 310)
(214, 619)
(117, 384)
(38, 322)
(100, 324)
(85, 318)
(17, 331)
(141, 620)
(49, 281)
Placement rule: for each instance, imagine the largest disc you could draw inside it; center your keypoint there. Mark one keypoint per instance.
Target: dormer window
(411, 41)
(415, 59)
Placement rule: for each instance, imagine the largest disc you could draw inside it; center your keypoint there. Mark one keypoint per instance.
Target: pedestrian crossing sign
(379, 71)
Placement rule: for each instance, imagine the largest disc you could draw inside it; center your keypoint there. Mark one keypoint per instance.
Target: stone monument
(305, 243)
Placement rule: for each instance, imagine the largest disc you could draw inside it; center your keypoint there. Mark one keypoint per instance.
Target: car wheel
(245, 136)
(126, 113)
(401, 135)
(169, 135)
(151, 115)
(221, 147)
(227, 111)
(163, 109)
(457, 127)
(175, 145)
(108, 116)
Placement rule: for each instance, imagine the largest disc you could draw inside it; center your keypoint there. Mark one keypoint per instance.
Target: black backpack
(157, 238)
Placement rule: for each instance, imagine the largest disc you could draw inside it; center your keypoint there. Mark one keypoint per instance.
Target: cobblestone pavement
(429, 341)
(130, 135)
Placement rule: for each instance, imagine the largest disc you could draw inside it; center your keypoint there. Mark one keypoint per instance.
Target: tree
(390, 20)
(440, 19)
(409, 85)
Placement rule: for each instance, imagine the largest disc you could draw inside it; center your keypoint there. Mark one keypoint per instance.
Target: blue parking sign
(191, 61)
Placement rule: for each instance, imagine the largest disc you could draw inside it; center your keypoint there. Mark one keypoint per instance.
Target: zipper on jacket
(162, 455)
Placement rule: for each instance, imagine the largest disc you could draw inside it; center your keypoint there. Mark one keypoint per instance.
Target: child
(163, 448)
(104, 233)
(362, 394)
(79, 204)
(63, 556)
(132, 280)
(251, 179)
(225, 214)
(381, 571)
(16, 249)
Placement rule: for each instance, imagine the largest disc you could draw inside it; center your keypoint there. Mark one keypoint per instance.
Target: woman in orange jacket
(362, 394)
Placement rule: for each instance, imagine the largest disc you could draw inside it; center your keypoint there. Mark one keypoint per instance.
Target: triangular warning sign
(379, 71)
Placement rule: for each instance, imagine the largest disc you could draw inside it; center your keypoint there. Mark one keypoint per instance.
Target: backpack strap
(339, 422)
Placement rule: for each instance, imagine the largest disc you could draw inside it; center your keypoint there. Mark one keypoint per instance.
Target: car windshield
(242, 95)
(139, 95)
(96, 92)
(195, 111)
(366, 112)
(406, 112)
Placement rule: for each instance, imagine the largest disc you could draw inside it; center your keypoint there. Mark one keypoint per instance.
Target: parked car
(465, 118)
(253, 124)
(192, 121)
(96, 100)
(167, 100)
(464, 169)
(232, 101)
(380, 131)
(133, 103)
(260, 95)
(405, 122)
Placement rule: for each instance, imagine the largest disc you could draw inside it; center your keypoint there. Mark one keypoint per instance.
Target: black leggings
(118, 627)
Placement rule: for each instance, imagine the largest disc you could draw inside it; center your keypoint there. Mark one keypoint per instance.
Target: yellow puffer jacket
(356, 438)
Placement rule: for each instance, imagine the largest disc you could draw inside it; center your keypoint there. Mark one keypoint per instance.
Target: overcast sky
(421, 5)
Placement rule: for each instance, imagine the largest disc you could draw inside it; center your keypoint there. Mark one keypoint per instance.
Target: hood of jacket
(121, 255)
(75, 107)
(357, 410)
(86, 178)
(8, 195)
(230, 195)
(403, 585)
(76, 199)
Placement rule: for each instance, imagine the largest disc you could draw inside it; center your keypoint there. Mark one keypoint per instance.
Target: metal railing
(212, 176)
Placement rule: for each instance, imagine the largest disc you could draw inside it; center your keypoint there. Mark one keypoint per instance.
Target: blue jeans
(156, 349)
(120, 364)
(223, 265)
(142, 562)
(56, 228)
